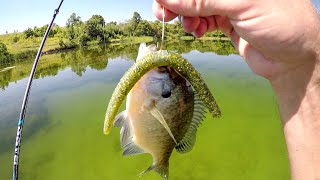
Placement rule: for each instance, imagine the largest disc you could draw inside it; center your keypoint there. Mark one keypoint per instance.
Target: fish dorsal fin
(188, 141)
(145, 50)
(125, 133)
(157, 114)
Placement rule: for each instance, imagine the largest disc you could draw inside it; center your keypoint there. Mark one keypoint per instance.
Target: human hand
(280, 40)
(275, 37)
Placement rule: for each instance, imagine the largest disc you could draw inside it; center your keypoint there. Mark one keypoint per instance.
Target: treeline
(96, 30)
(93, 31)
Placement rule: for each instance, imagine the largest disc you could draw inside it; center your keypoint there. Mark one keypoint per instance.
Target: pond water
(63, 139)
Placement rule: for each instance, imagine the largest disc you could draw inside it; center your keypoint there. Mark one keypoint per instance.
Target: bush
(5, 56)
(83, 40)
(29, 33)
(25, 54)
(15, 39)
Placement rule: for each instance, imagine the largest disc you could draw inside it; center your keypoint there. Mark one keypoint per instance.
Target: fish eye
(166, 94)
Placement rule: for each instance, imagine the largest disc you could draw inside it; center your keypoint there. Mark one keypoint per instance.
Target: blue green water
(63, 139)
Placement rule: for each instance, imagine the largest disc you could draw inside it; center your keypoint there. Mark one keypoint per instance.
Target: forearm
(298, 96)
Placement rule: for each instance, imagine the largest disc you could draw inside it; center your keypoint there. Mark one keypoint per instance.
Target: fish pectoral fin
(157, 114)
(189, 139)
(121, 120)
(132, 149)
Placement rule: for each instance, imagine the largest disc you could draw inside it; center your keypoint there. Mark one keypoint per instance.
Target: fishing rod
(26, 97)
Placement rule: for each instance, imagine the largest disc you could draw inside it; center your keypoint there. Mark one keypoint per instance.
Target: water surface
(63, 139)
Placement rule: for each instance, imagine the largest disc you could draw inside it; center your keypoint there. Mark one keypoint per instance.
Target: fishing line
(26, 97)
(162, 37)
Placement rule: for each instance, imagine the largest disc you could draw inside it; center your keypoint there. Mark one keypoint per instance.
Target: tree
(113, 31)
(134, 22)
(135, 19)
(5, 56)
(157, 28)
(125, 28)
(28, 33)
(73, 20)
(144, 29)
(94, 27)
(177, 28)
(39, 32)
(5, 79)
(54, 30)
(73, 31)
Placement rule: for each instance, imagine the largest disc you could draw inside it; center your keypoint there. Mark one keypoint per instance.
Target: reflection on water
(97, 58)
(63, 137)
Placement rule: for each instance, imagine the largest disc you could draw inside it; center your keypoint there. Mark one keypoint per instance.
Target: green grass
(27, 44)
(32, 44)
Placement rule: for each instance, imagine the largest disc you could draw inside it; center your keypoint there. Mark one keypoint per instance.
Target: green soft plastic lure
(148, 62)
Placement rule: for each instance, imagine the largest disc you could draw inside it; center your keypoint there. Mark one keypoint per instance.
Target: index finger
(203, 8)
(157, 10)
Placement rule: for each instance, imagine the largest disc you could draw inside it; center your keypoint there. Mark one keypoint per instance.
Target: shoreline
(26, 53)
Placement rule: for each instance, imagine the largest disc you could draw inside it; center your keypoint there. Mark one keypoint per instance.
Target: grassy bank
(22, 48)
(15, 43)
(52, 43)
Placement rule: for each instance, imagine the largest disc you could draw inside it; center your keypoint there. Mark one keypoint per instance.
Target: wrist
(301, 75)
(296, 86)
(298, 97)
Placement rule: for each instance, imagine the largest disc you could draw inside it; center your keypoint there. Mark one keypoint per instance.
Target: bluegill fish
(162, 110)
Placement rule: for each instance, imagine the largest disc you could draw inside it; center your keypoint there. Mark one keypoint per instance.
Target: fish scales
(160, 58)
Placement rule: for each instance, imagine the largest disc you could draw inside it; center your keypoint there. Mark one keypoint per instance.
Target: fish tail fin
(161, 168)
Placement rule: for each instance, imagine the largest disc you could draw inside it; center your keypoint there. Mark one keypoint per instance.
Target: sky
(21, 14)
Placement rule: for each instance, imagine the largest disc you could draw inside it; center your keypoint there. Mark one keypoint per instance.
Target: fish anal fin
(118, 122)
(121, 120)
(157, 114)
(126, 138)
(132, 149)
(189, 139)
(161, 168)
